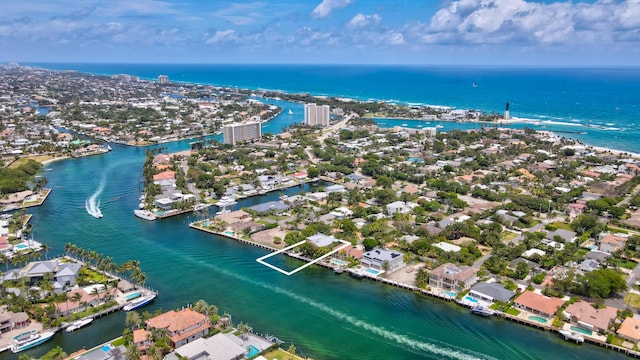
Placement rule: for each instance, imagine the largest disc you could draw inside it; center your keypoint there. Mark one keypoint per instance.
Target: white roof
(447, 247)
(217, 347)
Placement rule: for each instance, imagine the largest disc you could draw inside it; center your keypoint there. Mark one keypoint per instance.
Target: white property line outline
(261, 259)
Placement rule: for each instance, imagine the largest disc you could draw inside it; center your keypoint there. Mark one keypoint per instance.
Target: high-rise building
(241, 132)
(163, 79)
(506, 112)
(316, 115)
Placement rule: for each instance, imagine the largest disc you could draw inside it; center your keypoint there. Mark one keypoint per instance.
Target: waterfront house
(378, 257)
(271, 207)
(630, 330)
(538, 304)
(584, 315)
(142, 339)
(181, 327)
(5, 323)
(321, 240)
(220, 347)
(491, 292)
(452, 277)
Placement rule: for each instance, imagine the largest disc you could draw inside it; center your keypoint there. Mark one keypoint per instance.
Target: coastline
(55, 159)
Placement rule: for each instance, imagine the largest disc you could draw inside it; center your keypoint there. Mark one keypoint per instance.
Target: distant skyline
(464, 32)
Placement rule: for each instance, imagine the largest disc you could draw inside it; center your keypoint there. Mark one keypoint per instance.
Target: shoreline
(55, 159)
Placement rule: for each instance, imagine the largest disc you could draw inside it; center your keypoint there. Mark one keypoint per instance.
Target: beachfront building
(538, 304)
(235, 133)
(163, 79)
(383, 259)
(452, 277)
(181, 327)
(316, 115)
(586, 316)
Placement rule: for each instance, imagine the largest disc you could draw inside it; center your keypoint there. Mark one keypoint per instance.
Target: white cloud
(362, 20)
(223, 36)
(327, 6)
(529, 22)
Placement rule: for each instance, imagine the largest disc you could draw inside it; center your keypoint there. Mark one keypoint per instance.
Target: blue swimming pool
(470, 299)
(21, 246)
(373, 271)
(253, 351)
(451, 293)
(538, 319)
(339, 262)
(133, 295)
(107, 348)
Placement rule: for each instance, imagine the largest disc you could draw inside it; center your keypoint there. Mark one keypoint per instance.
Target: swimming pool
(372, 271)
(21, 246)
(229, 232)
(451, 293)
(538, 319)
(338, 262)
(133, 296)
(253, 351)
(581, 330)
(107, 348)
(469, 298)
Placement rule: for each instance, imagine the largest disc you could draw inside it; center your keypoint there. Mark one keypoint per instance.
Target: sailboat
(290, 112)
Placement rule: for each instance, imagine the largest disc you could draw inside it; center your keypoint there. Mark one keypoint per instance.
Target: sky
(425, 32)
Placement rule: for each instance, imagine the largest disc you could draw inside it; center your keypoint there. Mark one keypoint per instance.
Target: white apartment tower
(163, 79)
(235, 133)
(316, 115)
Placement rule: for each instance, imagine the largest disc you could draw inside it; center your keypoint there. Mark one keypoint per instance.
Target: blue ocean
(598, 106)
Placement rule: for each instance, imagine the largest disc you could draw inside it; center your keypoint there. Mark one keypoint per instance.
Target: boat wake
(92, 205)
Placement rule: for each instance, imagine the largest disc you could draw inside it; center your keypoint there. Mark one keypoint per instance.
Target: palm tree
(201, 306)
(56, 353)
(133, 319)
(96, 292)
(244, 329)
(76, 297)
(133, 353)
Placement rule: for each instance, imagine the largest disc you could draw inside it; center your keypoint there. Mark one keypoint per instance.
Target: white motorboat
(226, 201)
(572, 336)
(482, 311)
(78, 324)
(198, 207)
(139, 302)
(145, 214)
(30, 339)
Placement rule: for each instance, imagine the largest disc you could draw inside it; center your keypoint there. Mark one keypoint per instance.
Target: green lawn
(508, 236)
(632, 300)
(561, 225)
(280, 354)
(513, 312)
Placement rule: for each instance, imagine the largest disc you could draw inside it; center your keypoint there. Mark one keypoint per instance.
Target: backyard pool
(372, 271)
(253, 351)
(581, 330)
(470, 299)
(538, 319)
(338, 262)
(451, 293)
(21, 246)
(229, 232)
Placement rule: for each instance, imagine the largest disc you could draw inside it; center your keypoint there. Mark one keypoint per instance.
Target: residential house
(538, 304)
(630, 330)
(181, 327)
(271, 207)
(453, 277)
(491, 292)
(611, 243)
(142, 339)
(377, 258)
(563, 234)
(584, 315)
(400, 207)
(219, 347)
(321, 240)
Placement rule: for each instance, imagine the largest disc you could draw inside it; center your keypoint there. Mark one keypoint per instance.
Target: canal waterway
(326, 316)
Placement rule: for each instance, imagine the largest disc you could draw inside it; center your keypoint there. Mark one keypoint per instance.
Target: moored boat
(226, 201)
(145, 214)
(198, 207)
(482, 311)
(78, 324)
(30, 339)
(572, 336)
(139, 302)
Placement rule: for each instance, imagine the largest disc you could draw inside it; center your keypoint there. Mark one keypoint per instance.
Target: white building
(234, 133)
(163, 79)
(316, 115)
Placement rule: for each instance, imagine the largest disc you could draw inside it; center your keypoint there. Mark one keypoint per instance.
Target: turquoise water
(336, 317)
(602, 102)
(21, 246)
(338, 262)
(451, 293)
(538, 319)
(581, 330)
(253, 351)
(469, 298)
